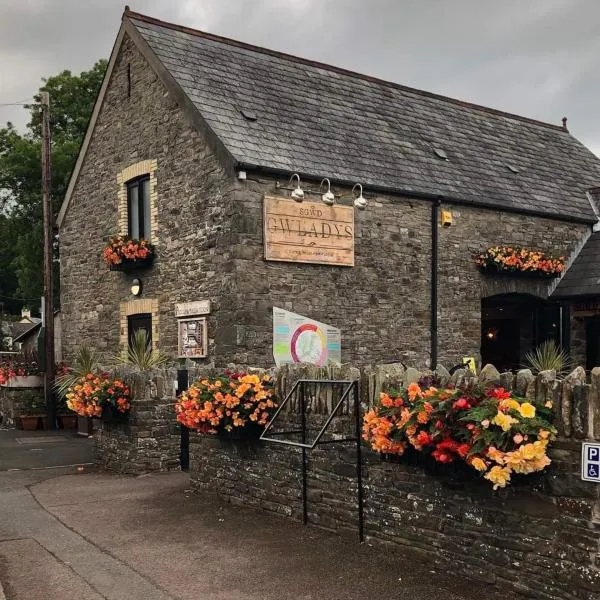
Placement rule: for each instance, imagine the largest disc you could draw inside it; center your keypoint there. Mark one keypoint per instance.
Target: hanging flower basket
(233, 405)
(101, 396)
(126, 254)
(519, 262)
(490, 430)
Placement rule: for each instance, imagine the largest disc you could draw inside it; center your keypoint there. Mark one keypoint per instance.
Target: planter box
(127, 266)
(25, 381)
(492, 272)
(29, 422)
(112, 415)
(68, 421)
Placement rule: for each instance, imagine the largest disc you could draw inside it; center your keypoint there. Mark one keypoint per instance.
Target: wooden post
(48, 219)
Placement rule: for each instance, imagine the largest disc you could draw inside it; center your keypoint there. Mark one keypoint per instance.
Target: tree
(72, 99)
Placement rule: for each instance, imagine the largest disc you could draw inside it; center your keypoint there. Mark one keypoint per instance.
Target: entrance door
(140, 321)
(592, 337)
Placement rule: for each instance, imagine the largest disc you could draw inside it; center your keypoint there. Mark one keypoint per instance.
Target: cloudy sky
(537, 58)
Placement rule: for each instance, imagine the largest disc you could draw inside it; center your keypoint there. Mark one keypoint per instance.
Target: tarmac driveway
(94, 535)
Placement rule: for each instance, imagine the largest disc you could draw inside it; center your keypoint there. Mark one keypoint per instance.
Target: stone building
(193, 143)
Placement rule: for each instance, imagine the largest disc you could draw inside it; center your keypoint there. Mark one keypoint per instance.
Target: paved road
(42, 449)
(67, 535)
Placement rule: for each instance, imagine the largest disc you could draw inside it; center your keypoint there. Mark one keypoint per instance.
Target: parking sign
(590, 462)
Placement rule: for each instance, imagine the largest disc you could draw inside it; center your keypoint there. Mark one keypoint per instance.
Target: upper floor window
(138, 208)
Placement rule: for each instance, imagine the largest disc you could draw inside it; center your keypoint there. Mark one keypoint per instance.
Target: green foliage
(72, 99)
(87, 360)
(141, 355)
(548, 357)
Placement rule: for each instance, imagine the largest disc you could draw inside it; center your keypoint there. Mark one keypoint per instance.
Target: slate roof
(583, 276)
(22, 330)
(322, 121)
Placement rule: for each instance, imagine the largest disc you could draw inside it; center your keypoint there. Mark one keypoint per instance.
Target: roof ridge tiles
(277, 54)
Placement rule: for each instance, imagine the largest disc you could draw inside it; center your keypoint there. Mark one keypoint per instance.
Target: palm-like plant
(141, 355)
(87, 360)
(548, 357)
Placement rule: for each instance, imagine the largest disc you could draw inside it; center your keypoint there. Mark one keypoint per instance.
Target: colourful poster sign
(298, 339)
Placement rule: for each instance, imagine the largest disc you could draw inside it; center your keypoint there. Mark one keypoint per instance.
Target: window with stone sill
(138, 208)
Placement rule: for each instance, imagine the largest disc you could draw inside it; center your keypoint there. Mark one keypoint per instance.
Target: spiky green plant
(548, 357)
(141, 355)
(87, 360)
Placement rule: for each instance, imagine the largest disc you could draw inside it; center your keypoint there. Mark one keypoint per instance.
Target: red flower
(424, 439)
(461, 403)
(498, 393)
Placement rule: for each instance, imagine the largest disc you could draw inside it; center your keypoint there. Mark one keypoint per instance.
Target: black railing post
(358, 462)
(304, 475)
(184, 443)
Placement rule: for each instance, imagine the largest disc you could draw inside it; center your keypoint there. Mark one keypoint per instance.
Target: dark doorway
(514, 324)
(592, 337)
(140, 321)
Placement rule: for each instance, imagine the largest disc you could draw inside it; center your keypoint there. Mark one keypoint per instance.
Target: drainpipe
(435, 218)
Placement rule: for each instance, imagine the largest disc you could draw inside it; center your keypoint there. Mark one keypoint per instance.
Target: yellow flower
(496, 455)
(527, 410)
(510, 403)
(499, 476)
(504, 421)
(543, 434)
(479, 464)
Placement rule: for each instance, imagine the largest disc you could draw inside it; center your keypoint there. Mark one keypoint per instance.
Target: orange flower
(413, 391)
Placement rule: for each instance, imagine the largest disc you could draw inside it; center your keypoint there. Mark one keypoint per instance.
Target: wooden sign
(308, 232)
(188, 309)
(586, 309)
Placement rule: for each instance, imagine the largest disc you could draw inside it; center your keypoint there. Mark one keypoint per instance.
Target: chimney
(25, 313)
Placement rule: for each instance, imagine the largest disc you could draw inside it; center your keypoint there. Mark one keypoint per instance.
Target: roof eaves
(412, 193)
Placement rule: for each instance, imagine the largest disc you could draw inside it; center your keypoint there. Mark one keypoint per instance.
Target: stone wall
(192, 227)
(541, 538)
(382, 305)
(150, 440)
(210, 246)
(15, 402)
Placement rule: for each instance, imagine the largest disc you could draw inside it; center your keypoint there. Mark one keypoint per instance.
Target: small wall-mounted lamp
(297, 193)
(328, 196)
(360, 201)
(136, 287)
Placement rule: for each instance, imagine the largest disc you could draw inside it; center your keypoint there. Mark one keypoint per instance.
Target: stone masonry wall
(150, 440)
(192, 191)
(382, 305)
(541, 538)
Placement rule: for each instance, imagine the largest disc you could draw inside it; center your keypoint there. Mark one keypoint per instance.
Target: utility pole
(48, 260)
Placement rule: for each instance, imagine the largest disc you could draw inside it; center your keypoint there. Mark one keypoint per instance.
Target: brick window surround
(144, 167)
(136, 307)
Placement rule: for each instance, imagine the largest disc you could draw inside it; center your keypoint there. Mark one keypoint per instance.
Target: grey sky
(537, 58)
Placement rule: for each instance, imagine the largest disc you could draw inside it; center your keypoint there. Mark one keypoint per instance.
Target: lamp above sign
(308, 232)
(189, 309)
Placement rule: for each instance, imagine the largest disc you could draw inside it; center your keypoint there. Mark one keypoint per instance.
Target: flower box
(496, 272)
(128, 266)
(111, 415)
(25, 381)
(124, 253)
(507, 261)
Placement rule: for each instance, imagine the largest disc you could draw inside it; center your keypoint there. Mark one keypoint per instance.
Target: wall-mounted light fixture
(491, 334)
(328, 196)
(297, 192)
(360, 201)
(136, 287)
